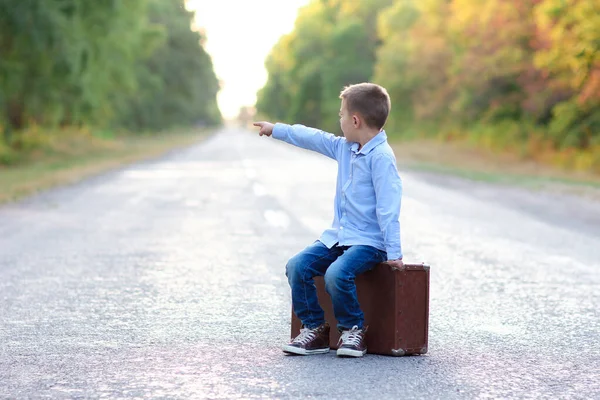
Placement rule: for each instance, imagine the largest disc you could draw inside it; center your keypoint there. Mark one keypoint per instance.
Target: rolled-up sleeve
(308, 138)
(388, 193)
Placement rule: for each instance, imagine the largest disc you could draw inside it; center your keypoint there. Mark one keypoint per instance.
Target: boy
(365, 229)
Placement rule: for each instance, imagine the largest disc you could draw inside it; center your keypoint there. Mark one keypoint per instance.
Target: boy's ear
(356, 120)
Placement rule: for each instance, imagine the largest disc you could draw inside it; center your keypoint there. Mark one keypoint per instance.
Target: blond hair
(369, 100)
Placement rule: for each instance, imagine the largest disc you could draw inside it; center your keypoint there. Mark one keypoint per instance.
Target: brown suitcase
(396, 307)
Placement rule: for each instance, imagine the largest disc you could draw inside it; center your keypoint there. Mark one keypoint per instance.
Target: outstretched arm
(302, 136)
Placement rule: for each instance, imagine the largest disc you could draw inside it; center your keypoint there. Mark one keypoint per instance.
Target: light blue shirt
(368, 191)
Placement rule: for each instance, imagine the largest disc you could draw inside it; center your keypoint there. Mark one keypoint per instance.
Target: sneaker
(352, 343)
(310, 341)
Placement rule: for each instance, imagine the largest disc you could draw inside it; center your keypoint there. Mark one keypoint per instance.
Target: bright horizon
(239, 36)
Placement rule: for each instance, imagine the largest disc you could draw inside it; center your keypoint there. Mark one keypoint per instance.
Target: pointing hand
(266, 128)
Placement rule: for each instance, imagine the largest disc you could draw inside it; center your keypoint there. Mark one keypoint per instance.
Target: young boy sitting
(365, 229)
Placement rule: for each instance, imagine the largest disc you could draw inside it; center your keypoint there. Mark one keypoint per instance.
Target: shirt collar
(371, 144)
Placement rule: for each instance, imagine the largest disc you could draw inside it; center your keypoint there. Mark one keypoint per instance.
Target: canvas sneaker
(309, 341)
(352, 343)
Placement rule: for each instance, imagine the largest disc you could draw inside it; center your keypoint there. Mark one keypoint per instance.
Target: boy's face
(348, 123)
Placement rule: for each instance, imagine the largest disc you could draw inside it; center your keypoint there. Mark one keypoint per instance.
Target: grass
(467, 161)
(79, 155)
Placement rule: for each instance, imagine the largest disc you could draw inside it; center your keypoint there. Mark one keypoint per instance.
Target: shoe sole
(303, 352)
(351, 353)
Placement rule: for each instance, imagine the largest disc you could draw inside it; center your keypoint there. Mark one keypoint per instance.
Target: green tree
(61, 61)
(394, 65)
(177, 83)
(506, 73)
(333, 45)
(570, 53)
(103, 63)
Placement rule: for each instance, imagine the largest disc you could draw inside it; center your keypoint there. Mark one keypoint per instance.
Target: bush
(32, 139)
(7, 155)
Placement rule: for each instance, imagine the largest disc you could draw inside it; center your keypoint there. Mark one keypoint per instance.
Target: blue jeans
(339, 265)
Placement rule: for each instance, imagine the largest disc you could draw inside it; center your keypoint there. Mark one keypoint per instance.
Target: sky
(240, 35)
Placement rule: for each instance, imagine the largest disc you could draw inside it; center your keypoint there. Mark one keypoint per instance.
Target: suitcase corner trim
(402, 352)
(398, 352)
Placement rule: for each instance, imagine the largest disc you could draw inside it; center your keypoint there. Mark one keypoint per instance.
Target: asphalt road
(166, 280)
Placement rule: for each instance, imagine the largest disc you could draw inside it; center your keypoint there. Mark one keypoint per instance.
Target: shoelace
(305, 336)
(351, 337)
